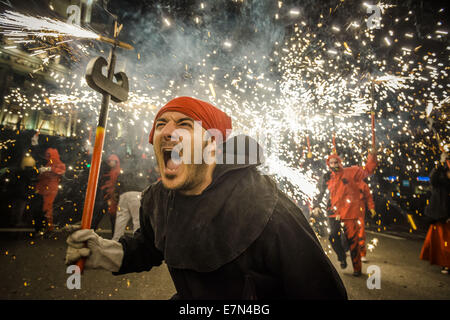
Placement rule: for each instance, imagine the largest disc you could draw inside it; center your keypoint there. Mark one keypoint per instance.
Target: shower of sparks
(14, 24)
(372, 244)
(324, 87)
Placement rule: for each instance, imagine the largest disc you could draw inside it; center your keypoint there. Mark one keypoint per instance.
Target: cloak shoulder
(203, 233)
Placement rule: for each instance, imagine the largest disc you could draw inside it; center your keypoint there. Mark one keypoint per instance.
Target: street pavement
(403, 276)
(32, 267)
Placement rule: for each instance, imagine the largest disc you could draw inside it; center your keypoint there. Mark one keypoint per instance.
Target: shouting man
(224, 230)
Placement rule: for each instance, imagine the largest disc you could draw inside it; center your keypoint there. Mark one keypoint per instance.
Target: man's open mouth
(172, 159)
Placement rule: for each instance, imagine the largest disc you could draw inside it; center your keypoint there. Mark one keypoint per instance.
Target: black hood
(204, 232)
(238, 152)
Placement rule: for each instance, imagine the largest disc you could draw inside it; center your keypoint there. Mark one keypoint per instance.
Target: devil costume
(242, 238)
(347, 201)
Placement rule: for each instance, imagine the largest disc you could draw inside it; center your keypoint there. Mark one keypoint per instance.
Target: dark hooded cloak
(242, 238)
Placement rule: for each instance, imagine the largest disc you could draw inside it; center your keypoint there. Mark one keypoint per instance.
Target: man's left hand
(100, 253)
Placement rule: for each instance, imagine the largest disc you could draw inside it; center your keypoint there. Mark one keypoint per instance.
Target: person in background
(344, 206)
(129, 188)
(48, 183)
(436, 247)
(26, 180)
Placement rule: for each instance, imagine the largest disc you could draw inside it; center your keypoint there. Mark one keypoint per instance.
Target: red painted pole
(96, 157)
(91, 191)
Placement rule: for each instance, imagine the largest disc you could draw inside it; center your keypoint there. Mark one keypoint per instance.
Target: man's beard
(196, 174)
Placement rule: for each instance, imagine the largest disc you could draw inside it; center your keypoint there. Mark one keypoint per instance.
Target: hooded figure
(438, 209)
(436, 248)
(110, 183)
(48, 181)
(334, 156)
(345, 205)
(344, 187)
(237, 236)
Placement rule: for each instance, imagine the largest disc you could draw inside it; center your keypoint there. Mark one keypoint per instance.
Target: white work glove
(100, 253)
(45, 169)
(316, 211)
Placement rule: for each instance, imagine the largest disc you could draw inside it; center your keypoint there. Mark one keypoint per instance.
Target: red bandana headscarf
(210, 116)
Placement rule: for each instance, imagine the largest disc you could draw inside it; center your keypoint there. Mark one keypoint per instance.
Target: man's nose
(168, 130)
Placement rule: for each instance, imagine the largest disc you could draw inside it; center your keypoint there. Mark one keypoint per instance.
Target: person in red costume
(48, 182)
(368, 200)
(110, 183)
(436, 247)
(345, 205)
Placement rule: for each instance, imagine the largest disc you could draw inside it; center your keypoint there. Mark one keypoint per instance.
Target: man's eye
(159, 124)
(186, 124)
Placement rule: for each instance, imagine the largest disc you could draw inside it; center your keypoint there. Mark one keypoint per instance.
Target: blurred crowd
(43, 179)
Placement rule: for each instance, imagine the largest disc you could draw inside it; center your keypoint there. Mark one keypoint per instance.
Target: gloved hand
(316, 211)
(45, 169)
(100, 253)
(373, 213)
